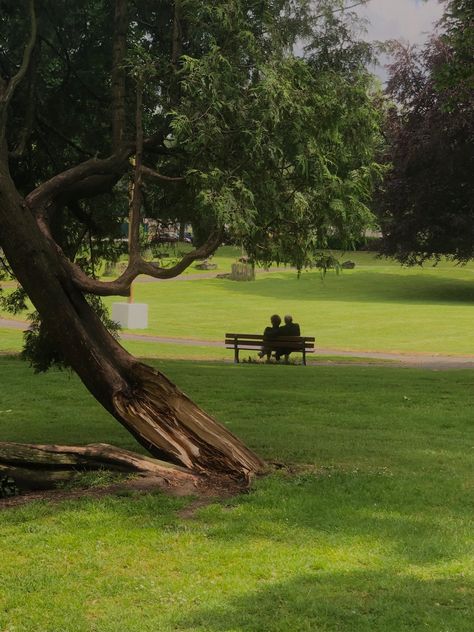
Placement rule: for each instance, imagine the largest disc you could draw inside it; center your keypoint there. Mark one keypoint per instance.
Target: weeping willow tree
(202, 110)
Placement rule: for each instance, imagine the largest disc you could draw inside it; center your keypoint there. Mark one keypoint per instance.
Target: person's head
(288, 319)
(275, 320)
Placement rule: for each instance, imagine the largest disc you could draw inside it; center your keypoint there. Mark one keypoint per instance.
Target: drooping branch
(58, 185)
(341, 9)
(207, 249)
(121, 285)
(9, 89)
(155, 175)
(91, 177)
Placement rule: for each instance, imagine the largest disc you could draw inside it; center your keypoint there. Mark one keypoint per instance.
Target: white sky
(410, 20)
(407, 20)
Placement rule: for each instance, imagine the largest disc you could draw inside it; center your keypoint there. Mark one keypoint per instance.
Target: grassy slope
(373, 532)
(372, 308)
(378, 306)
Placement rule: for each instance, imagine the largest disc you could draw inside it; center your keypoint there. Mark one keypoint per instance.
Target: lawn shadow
(364, 286)
(333, 509)
(358, 601)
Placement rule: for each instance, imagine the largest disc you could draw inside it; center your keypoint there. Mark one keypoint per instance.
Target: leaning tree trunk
(160, 416)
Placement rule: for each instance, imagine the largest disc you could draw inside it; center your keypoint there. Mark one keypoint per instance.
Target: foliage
(268, 143)
(279, 150)
(40, 350)
(427, 206)
(275, 150)
(457, 73)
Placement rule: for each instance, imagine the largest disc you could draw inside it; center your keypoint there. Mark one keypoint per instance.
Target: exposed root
(46, 472)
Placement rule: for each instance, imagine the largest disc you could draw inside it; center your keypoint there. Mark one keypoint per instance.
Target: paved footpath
(419, 360)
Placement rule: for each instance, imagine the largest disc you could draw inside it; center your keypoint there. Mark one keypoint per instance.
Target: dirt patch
(205, 490)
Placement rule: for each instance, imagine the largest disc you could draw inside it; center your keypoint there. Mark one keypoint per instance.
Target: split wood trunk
(160, 416)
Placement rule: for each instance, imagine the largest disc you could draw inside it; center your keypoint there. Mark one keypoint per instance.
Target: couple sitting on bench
(276, 331)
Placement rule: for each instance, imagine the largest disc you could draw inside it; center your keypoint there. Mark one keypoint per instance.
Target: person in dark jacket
(269, 334)
(288, 329)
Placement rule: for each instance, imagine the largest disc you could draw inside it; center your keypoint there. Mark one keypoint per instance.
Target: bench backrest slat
(270, 343)
(261, 337)
(257, 341)
(281, 345)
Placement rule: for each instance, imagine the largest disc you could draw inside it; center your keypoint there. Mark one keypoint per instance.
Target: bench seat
(255, 342)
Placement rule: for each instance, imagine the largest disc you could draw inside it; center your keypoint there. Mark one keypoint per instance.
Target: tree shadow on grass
(335, 510)
(358, 601)
(362, 287)
(334, 550)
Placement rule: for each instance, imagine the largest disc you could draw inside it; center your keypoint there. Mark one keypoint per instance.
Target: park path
(413, 360)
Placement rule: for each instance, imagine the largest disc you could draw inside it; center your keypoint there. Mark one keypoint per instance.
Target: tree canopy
(190, 109)
(427, 207)
(277, 149)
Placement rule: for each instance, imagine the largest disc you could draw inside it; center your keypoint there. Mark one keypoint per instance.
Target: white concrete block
(130, 315)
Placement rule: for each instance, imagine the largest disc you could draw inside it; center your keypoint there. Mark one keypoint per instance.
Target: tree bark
(118, 76)
(34, 467)
(160, 416)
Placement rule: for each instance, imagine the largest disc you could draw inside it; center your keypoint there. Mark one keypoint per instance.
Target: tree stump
(242, 272)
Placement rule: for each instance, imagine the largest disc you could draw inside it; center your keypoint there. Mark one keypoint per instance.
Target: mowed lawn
(367, 527)
(378, 306)
(375, 307)
(361, 310)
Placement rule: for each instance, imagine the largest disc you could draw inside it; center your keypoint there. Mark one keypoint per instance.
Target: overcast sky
(410, 20)
(407, 20)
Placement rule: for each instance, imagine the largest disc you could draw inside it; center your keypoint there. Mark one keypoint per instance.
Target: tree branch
(121, 285)
(118, 77)
(9, 90)
(204, 251)
(146, 171)
(342, 9)
(89, 178)
(137, 198)
(58, 184)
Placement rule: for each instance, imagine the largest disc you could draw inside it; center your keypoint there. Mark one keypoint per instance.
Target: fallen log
(35, 467)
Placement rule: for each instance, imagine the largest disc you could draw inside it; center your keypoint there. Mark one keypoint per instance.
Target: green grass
(378, 306)
(373, 308)
(370, 531)
(11, 340)
(11, 344)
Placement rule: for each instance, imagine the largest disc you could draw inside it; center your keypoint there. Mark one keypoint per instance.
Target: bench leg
(304, 357)
(236, 355)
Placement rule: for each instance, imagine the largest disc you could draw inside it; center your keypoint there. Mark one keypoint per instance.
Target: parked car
(165, 238)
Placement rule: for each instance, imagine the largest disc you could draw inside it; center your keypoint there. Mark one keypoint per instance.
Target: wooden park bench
(255, 342)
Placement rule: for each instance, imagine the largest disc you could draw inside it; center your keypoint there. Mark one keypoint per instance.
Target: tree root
(30, 468)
